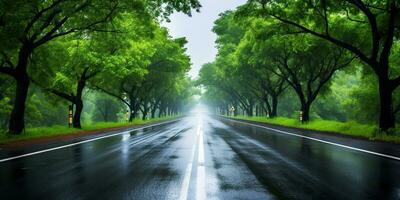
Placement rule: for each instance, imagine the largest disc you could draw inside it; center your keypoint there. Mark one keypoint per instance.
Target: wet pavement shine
(200, 157)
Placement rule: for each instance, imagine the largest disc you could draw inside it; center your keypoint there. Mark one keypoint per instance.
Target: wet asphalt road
(201, 157)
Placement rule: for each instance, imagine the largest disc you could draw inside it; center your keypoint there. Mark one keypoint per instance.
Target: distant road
(202, 157)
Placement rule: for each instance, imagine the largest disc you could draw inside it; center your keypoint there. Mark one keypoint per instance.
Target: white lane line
(81, 142)
(201, 149)
(318, 140)
(188, 172)
(201, 170)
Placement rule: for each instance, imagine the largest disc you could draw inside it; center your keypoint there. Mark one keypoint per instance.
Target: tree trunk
(274, 109)
(17, 121)
(144, 114)
(17, 117)
(305, 109)
(386, 118)
(153, 113)
(249, 111)
(76, 121)
(257, 110)
(268, 106)
(161, 111)
(131, 114)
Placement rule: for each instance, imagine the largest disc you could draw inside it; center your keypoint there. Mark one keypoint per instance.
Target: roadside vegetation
(351, 128)
(118, 64)
(333, 65)
(59, 130)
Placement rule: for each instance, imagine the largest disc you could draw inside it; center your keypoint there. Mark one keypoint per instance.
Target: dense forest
(110, 59)
(322, 59)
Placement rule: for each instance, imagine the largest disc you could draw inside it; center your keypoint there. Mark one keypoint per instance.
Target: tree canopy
(272, 52)
(68, 48)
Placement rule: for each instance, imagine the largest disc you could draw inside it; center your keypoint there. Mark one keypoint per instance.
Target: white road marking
(186, 179)
(201, 171)
(81, 142)
(319, 140)
(188, 172)
(201, 149)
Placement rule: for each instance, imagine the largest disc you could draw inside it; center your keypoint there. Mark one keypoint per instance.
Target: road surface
(200, 157)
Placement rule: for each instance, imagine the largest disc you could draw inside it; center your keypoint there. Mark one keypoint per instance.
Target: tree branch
(373, 24)
(395, 83)
(8, 70)
(40, 14)
(384, 58)
(329, 38)
(62, 95)
(113, 95)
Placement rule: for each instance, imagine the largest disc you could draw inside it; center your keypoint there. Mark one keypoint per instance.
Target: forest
(111, 60)
(114, 61)
(308, 60)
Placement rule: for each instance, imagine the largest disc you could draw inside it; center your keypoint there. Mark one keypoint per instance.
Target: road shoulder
(351, 141)
(37, 144)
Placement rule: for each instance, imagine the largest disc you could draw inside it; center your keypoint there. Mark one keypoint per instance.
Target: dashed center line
(201, 170)
(188, 172)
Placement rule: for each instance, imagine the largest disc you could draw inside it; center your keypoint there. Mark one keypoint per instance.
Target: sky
(197, 30)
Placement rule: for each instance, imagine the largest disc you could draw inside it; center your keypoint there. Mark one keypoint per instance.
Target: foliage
(70, 48)
(339, 59)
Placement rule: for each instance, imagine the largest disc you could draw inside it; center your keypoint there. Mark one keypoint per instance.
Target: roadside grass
(350, 128)
(56, 130)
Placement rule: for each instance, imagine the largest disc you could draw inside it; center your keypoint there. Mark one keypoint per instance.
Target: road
(200, 157)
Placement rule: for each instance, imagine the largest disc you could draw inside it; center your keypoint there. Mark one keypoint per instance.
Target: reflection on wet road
(201, 157)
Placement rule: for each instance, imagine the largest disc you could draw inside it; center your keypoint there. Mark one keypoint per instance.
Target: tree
(158, 62)
(368, 29)
(221, 74)
(255, 67)
(306, 74)
(27, 26)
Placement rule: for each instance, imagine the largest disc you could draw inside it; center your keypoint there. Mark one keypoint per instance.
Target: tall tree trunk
(144, 113)
(17, 117)
(131, 113)
(153, 113)
(161, 111)
(305, 109)
(76, 121)
(256, 110)
(274, 110)
(249, 110)
(386, 117)
(268, 106)
(17, 121)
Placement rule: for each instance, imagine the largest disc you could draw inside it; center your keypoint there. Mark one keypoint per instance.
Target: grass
(56, 130)
(350, 128)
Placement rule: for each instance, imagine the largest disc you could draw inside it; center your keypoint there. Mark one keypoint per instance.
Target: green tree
(368, 29)
(295, 62)
(26, 26)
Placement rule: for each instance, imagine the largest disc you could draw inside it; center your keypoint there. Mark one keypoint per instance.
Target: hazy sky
(197, 30)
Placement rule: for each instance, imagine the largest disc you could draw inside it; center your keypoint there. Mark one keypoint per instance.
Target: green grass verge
(346, 128)
(40, 132)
